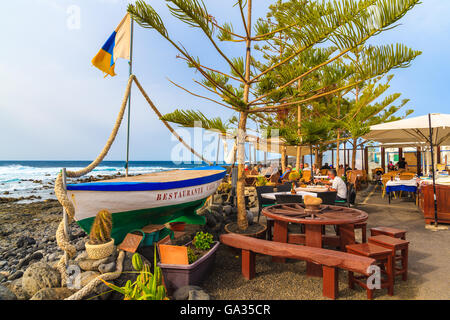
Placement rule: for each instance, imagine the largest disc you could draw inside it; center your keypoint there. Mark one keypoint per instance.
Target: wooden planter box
(426, 203)
(177, 275)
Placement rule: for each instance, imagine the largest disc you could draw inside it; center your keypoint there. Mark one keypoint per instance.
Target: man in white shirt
(337, 184)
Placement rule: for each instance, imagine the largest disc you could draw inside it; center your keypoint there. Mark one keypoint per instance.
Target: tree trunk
(240, 187)
(338, 146)
(299, 131)
(316, 157)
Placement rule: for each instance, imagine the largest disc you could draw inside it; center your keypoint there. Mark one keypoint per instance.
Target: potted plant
(147, 286)
(100, 244)
(261, 181)
(189, 264)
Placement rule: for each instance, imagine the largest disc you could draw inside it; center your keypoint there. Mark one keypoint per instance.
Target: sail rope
(61, 194)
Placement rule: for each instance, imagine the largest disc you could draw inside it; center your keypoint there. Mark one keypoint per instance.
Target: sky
(54, 105)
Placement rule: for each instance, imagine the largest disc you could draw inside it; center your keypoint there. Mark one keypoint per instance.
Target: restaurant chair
(274, 178)
(383, 257)
(328, 197)
(284, 187)
(399, 249)
(306, 176)
(263, 202)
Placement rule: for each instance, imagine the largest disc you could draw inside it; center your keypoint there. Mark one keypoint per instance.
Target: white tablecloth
(271, 195)
(412, 183)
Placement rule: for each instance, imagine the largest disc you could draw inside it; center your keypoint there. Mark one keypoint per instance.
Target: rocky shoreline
(29, 252)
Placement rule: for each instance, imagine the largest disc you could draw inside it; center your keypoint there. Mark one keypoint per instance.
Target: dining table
(314, 222)
(401, 185)
(272, 195)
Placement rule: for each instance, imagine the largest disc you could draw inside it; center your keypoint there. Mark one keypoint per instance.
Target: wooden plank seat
(388, 231)
(384, 259)
(396, 245)
(330, 260)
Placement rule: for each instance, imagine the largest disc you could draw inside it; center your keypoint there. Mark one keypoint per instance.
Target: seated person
(286, 173)
(402, 164)
(391, 166)
(254, 171)
(337, 184)
(266, 171)
(260, 168)
(326, 166)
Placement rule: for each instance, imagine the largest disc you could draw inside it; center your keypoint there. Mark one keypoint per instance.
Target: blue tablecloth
(401, 188)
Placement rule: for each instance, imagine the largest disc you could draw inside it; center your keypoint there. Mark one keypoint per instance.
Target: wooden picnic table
(283, 214)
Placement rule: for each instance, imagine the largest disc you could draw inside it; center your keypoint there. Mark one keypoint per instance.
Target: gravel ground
(429, 260)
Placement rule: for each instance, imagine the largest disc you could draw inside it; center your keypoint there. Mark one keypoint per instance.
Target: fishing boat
(137, 201)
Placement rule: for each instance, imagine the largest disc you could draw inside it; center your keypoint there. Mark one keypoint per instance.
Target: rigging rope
(61, 194)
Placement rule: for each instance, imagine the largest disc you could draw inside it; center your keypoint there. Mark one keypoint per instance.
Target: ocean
(36, 178)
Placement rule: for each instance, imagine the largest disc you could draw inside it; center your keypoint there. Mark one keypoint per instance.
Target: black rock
(25, 241)
(15, 275)
(183, 292)
(211, 221)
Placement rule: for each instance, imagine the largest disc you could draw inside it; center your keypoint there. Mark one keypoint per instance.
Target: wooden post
(345, 158)
(438, 155)
(366, 159)
(248, 264)
(400, 154)
(332, 158)
(65, 217)
(383, 159)
(218, 148)
(330, 282)
(418, 161)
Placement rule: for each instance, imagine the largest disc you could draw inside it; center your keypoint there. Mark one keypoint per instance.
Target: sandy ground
(429, 262)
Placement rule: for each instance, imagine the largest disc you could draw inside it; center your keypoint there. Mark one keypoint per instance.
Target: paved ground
(429, 262)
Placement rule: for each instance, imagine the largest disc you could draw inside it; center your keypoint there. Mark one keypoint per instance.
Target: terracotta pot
(177, 226)
(99, 251)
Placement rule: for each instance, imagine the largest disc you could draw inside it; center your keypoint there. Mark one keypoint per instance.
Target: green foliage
(147, 286)
(101, 228)
(188, 118)
(192, 256)
(203, 240)
(224, 187)
(261, 181)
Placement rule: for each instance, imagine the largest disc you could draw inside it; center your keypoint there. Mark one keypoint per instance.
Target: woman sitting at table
(337, 184)
(286, 173)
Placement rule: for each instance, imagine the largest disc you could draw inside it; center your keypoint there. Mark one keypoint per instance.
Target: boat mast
(129, 99)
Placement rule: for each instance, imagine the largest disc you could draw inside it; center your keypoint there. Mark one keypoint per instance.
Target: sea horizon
(26, 178)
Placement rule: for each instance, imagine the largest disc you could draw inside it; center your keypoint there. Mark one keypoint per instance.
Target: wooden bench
(388, 231)
(330, 260)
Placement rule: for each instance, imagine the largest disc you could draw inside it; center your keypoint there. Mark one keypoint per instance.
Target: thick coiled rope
(61, 195)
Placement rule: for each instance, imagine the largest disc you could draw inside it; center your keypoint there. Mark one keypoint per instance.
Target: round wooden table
(345, 218)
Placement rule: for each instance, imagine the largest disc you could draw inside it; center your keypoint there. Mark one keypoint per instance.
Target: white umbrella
(433, 129)
(413, 130)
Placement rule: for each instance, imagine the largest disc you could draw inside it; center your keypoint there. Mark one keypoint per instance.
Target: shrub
(203, 241)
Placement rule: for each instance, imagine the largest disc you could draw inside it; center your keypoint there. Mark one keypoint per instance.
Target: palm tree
(306, 24)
